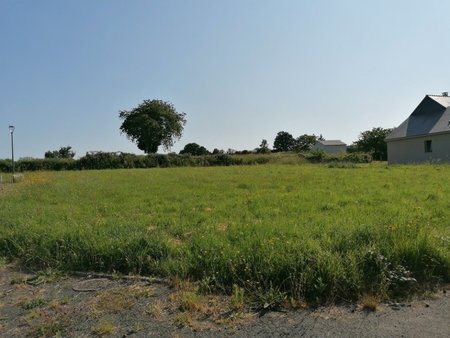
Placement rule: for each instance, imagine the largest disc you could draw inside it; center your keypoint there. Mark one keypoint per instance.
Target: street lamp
(11, 130)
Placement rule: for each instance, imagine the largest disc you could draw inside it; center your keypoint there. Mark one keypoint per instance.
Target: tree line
(155, 123)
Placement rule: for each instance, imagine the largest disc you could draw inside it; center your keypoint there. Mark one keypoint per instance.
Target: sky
(241, 70)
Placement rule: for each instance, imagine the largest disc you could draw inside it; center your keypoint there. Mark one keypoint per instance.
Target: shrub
(319, 156)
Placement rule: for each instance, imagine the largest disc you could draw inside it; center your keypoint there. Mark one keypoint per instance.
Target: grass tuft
(369, 302)
(103, 328)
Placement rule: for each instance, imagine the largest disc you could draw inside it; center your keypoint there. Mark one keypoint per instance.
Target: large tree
(372, 142)
(151, 124)
(283, 141)
(305, 142)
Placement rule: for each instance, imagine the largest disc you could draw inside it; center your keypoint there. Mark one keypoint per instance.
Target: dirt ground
(46, 305)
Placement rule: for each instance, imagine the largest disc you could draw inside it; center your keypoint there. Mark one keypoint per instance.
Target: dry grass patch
(19, 279)
(369, 302)
(3, 263)
(112, 301)
(103, 328)
(188, 319)
(47, 320)
(141, 291)
(120, 298)
(157, 310)
(201, 312)
(222, 227)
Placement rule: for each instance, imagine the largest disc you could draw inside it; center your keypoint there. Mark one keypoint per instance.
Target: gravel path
(89, 307)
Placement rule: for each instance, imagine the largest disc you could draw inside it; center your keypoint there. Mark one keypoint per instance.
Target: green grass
(306, 232)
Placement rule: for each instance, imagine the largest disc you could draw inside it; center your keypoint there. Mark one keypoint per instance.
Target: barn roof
(331, 142)
(431, 116)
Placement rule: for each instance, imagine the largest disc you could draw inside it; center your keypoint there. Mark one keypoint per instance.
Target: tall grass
(309, 232)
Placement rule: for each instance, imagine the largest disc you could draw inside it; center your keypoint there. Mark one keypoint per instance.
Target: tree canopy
(63, 152)
(263, 147)
(283, 141)
(372, 142)
(194, 149)
(305, 142)
(151, 124)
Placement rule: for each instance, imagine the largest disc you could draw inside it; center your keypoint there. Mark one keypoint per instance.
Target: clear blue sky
(241, 70)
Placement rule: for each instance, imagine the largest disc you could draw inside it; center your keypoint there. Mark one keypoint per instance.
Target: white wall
(412, 150)
(329, 149)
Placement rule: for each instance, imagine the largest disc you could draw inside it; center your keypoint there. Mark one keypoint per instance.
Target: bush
(46, 164)
(38, 164)
(357, 158)
(119, 160)
(321, 157)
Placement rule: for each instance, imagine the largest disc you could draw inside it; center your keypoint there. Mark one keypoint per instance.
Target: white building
(425, 135)
(330, 146)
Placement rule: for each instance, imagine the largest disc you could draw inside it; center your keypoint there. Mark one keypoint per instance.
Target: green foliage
(194, 149)
(304, 142)
(322, 157)
(283, 142)
(119, 160)
(269, 299)
(151, 124)
(237, 300)
(263, 147)
(33, 303)
(357, 158)
(316, 155)
(279, 232)
(373, 142)
(40, 164)
(63, 152)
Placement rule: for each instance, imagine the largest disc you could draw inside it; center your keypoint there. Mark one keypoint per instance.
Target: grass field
(311, 233)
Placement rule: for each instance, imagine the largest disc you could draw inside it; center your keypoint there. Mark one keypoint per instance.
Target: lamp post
(11, 130)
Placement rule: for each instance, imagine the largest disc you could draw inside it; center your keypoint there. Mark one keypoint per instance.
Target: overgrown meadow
(309, 232)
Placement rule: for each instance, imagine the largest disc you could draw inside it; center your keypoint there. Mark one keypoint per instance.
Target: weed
(139, 291)
(156, 310)
(270, 299)
(136, 327)
(207, 285)
(237, 298)
(64, 301)
(49, 327)
(369, 302)
(19, 279)
(46, 276)
(103, 328)
(183, 319)
(190, 301)
(33, 303)
(2, 262)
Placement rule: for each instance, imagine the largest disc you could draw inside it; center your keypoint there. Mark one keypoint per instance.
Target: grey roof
(331, 142)
(431, 116)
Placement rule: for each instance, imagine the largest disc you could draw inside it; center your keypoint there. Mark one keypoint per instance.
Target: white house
(330, 146)
(425, 135)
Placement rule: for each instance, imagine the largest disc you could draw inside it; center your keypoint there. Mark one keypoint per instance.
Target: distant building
(425, 135)
(330, 146)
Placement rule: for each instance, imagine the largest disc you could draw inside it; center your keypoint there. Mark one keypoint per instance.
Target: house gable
(330, 146)
(425, 135)
(431, 116)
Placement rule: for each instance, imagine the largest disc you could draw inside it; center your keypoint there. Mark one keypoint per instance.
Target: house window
(428, 148)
